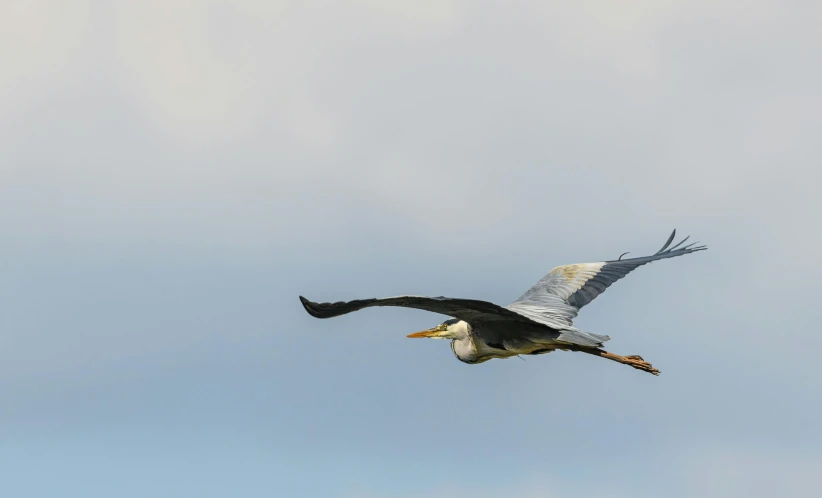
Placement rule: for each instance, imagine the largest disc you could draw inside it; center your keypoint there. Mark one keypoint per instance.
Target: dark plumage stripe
(463, 309)
(614, 270)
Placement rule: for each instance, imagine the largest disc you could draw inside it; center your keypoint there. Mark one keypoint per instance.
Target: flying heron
(539, 322)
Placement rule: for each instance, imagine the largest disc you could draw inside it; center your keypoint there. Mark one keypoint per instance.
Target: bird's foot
(637, 362)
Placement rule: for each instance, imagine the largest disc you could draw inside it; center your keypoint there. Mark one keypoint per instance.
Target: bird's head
(449, 329)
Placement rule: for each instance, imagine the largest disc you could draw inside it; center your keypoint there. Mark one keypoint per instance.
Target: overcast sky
(173, 174)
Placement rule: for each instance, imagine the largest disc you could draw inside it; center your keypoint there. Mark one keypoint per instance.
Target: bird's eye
(443, 326)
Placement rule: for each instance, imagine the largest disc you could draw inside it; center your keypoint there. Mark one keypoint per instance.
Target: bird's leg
(633, 360)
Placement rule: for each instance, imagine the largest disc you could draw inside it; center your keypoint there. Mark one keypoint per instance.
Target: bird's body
(501, 340)
(539, 322)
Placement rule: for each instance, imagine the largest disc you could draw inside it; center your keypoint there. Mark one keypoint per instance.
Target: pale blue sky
(174, 174)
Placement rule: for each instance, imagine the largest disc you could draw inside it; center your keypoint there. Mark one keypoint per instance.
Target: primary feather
(555, 300)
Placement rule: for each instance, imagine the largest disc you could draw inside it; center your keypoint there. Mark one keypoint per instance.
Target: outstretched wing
(469, 310)
(558, 296)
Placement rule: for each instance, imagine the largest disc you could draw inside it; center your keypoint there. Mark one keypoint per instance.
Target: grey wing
(558, 296)
(470, 310)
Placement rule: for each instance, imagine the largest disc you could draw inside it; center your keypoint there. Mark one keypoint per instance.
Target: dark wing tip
(667, 251)
(675, 249)
(692, 247)
(668, 242)
(312, 308)
(330, 310)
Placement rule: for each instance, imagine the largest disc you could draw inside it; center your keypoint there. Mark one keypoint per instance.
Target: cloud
(39, 44)
(292, 103)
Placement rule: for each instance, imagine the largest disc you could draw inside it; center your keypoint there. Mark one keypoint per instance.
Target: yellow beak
(424, 333)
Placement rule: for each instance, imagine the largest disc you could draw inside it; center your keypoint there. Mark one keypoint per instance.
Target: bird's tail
(582, 338)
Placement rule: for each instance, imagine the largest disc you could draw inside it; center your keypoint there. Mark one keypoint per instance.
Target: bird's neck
(464, 350)
(463, 344)
(461, 331)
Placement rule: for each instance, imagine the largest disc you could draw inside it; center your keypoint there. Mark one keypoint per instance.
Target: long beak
(424, 333)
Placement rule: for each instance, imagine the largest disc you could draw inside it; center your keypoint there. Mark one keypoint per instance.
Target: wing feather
(557, 297)
(470, 310)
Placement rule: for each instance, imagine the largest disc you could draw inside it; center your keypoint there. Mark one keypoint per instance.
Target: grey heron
(539, 322)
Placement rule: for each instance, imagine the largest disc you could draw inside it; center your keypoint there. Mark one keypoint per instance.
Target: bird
(538, 322)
